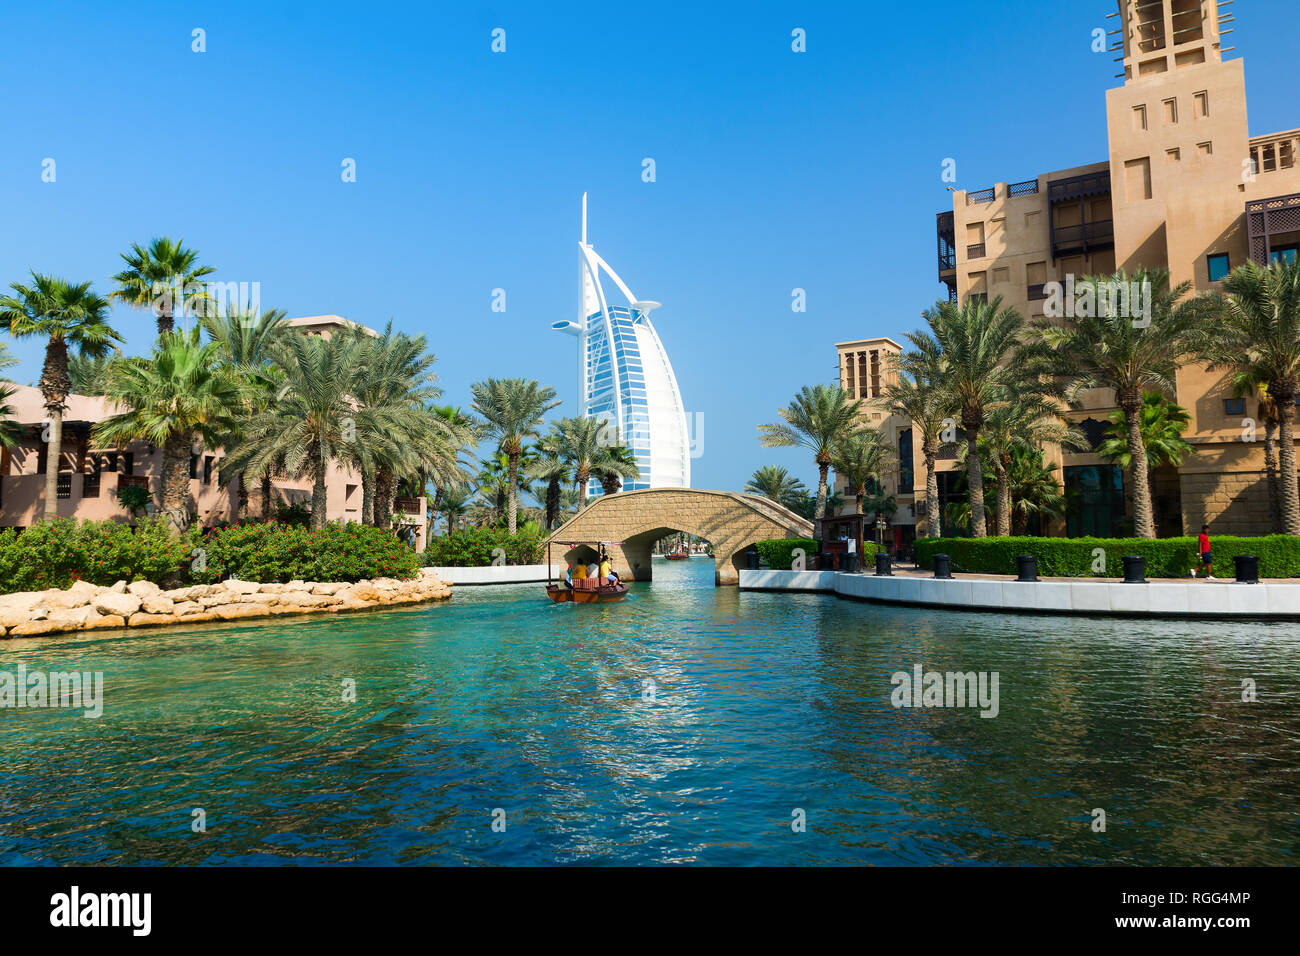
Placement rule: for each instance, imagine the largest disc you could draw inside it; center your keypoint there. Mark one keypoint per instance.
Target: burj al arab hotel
(625, 378)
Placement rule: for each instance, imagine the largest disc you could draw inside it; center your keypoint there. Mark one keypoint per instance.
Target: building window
(128, 463)
(90, 483)
(1203, 104)
(1137, 179)
(1171, 111)
(1286, 254)
(1205, 149)
(905, 471)
(1218, 265)
(64, 487)
(207, 469)
(1173, 155)
(194, 466)
(1234, 406)
(1139, 118)
(1095, 496)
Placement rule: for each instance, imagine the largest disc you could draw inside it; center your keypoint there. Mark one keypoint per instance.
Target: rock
(157, 603)
(72, 619)
(328, 588)
(230, 612)
(35, 628)
(98, 622)
(270, 588)
(117, 602)
(218, 597)
(143, 589)
(302, 599)
(182, 594)
(79, 595)
(119, 587)
(298, 586)
(181, 608)
(361, 591)
(141, 619)
(241, 587)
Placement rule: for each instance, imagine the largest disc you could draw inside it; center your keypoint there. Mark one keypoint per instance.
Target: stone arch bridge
(731, 521)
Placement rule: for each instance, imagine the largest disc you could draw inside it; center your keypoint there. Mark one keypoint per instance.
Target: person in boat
(577, 573)
(606, 569)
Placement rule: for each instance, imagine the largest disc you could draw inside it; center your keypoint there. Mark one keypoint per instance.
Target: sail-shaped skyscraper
(625, 378)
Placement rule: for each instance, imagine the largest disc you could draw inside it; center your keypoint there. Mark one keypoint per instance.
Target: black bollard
(1027, 568)
(1247, 568)
(943, 566)
(1135, 569)
(883, 568)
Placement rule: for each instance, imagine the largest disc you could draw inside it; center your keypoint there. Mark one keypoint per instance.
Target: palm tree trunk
(176, 480)
(1004, 498)
(241, 497)
(512, 493)
(53, 453)
(975, 478)
(266, 497)
(434, 508)
(1143, 523)
(319, 493)
(367, 497)
(1271, 473)
(385, 488)
(1285, 398)
(552, 502)
(820, 511)
(857, 506)
(581, 479)
(933, 524)
(165, 322)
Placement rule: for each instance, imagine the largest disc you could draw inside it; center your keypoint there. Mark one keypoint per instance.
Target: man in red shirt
(1203, 546)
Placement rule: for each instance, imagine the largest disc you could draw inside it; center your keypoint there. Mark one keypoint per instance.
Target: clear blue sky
(775, 169)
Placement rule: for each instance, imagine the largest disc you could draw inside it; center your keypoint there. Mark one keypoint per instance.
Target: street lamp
(880, 532)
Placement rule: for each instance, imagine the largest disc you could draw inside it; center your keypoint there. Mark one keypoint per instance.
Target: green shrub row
(474, 547)
(778, 553)
(274, 552)
(54, 554)
(1279, 555)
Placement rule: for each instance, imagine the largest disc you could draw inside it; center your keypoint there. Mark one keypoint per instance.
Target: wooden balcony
(1275, 152)
(406, 506)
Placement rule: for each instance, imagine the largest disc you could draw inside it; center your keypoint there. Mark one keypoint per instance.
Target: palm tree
(618, 464)
(1023, 419)
(818, 418)
(245, 341)
(860, 460)
(1035, 489)
(1259, 330)
(73, 320)
(87, 374)
(455, 503)
(10, 431)
(550, 467)
(1244, 382)
(975, 347)
(777, 484)
(457, 422)
(1128, 357)
(917, 394)
(584, 443)
(311, 420)
(180, 395)
(512, 411)
(153, 273)
(1161, 423)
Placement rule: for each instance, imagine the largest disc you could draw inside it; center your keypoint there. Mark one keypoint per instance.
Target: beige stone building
(1185, 187)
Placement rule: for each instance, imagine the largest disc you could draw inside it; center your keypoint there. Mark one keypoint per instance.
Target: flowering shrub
(280, 552)
(54, 554)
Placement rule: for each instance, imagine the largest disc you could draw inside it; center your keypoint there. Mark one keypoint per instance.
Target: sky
(774, 170)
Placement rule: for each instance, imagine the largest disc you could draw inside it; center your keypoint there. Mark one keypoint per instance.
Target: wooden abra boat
(587, 590)
(679, 556)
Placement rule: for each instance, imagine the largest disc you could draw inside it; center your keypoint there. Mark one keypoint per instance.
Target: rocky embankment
(90, 607)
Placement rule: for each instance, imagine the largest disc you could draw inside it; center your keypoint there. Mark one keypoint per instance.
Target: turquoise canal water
(764, 706)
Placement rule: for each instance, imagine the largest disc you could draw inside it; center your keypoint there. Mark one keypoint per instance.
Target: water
(764, 705)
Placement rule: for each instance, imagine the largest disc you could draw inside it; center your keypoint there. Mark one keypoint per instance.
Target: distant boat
(678, 556)
(606, 594)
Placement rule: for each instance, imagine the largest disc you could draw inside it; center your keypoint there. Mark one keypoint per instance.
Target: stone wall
(89, 607)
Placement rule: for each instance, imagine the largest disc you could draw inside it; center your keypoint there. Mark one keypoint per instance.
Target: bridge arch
(732, 522)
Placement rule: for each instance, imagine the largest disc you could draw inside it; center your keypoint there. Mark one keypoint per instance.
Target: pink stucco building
(90, 475)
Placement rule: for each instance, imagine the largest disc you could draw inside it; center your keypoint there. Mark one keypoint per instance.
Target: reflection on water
(685, 725)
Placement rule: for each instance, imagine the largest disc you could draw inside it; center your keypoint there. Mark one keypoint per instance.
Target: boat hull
(562, 594)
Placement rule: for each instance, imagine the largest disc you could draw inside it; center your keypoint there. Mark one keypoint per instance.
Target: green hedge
(54, 554)
(473, 547)
(1279, 555)
(778, 552)
(279, 552)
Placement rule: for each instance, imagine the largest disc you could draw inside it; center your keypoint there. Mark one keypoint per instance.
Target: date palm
(916, 393)
(87, 374)
(550, 468)
(73, 320)
(776, 484)
(460, 424)
(244, 341)
(310, 421)
(975, 345)
(619, 464)
(512, 411)
(178, 396)
(1128, 356)
(155, 273)
(1035, 489)
(1161, 423)
(860, 460)
(1258, 330)
(1245, 382)
(818, 418)
(586, 444)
